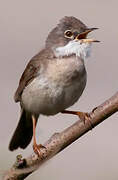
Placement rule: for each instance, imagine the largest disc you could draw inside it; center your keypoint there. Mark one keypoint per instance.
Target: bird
(53, 80)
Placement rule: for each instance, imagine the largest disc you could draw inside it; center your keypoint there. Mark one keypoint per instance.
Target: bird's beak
(83, 36)
(88, 40)
(90, 29)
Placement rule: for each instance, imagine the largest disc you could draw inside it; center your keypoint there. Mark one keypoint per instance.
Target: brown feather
(31, 71)
(23, 133)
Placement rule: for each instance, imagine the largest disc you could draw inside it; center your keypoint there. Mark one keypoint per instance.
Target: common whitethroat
(53, 80)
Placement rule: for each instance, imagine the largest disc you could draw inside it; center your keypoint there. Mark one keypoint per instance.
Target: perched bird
(53, 80)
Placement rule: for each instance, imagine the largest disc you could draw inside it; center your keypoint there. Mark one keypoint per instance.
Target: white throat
(82, 50)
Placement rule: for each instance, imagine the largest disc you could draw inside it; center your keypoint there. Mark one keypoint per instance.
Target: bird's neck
(74, 48)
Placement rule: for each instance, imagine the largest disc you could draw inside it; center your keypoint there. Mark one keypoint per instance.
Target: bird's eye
(68, 34)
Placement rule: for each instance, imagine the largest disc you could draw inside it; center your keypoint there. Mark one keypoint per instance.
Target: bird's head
(69, 37)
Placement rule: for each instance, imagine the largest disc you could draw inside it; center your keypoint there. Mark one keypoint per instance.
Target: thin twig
(23, 167)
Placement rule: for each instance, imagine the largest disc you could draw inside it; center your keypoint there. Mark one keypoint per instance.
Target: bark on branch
(23, 167)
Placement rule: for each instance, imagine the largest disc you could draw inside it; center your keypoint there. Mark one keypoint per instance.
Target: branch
(23, 167)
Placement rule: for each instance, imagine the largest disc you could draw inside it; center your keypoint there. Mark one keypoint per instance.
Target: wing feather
(28, 75)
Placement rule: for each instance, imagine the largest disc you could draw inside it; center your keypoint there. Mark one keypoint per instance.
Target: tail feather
(23, 133)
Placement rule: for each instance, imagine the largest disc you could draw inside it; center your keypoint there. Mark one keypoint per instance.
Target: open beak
(83, 36)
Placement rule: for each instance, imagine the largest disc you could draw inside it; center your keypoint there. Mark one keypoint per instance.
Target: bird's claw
(37, 148)
(85, 117)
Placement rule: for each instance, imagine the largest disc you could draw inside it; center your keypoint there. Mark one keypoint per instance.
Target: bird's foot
(37, 148)
(84, 117)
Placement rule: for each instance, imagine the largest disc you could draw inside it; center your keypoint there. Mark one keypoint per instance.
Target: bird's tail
(23, 133)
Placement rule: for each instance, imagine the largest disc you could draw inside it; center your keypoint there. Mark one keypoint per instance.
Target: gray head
(69, 28)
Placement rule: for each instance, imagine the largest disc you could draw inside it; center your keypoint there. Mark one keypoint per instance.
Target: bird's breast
(57, 89)
(66, 70)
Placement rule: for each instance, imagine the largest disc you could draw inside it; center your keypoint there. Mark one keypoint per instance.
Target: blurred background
(24, 26)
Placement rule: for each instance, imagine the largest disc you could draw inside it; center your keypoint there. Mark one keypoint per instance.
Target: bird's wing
(31, 71)
(28, 75)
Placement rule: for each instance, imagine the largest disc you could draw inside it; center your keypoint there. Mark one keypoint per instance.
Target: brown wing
(28, 75)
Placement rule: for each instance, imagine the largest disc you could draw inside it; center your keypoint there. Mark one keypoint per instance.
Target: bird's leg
(36, 147)
(82, 115)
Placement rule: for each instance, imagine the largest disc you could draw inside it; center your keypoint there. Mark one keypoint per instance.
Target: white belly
(55, 91)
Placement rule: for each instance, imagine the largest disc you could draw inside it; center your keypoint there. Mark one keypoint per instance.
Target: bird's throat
(74, 48)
